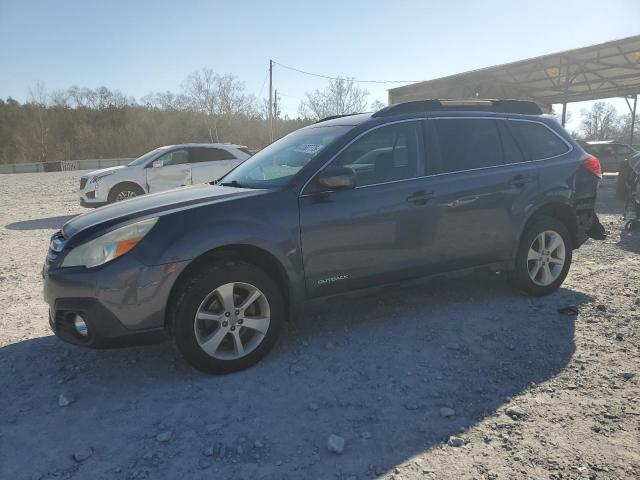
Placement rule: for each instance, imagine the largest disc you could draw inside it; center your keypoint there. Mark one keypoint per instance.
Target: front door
(378, 232)
(170, 170)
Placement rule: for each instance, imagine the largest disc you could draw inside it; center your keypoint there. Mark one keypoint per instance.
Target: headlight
(109, 246)
(97, 178)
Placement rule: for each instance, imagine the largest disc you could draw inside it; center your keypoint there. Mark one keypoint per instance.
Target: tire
(219, 326)
(536, 282)
(124, 191)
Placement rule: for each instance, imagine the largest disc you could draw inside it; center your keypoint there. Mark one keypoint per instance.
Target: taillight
(593, 165)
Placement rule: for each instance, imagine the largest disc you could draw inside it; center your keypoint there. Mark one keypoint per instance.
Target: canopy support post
(566, 93)
(633, 118)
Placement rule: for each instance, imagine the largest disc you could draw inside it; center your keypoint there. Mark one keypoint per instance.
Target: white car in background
(161, 169)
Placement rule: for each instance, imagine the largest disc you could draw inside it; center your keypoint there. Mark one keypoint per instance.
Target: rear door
(482, 184)
(170, 170)
(210, 163)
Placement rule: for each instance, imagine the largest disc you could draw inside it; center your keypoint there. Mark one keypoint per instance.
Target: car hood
(155, 204)
(104, 170)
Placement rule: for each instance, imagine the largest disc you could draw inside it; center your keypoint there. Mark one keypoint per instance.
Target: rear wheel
(124, 191)
(544, 256)
(227, 317)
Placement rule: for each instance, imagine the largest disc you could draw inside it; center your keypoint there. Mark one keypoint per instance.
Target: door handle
(522, 180)
(420, 198)
(460, 202)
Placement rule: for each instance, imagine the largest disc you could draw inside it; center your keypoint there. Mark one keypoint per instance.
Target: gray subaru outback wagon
(416, 189)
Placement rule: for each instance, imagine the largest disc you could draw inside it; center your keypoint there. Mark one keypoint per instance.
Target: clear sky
(143, 46)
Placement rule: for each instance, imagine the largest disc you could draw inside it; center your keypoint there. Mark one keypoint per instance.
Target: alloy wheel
(125, 194)
(546, 258)
(232, 321)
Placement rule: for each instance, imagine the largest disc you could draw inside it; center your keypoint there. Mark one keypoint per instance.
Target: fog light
(80, 326)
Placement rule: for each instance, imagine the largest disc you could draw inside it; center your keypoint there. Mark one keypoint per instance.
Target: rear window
(539, 140)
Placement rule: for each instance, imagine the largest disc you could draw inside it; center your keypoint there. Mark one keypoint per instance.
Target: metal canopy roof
(610, 69)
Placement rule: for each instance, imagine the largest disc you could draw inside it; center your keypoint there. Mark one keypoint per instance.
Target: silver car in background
(161, 169)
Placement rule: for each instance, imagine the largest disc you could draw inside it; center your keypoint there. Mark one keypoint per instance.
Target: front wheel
(123, 192)
(227, 317)
(544, 256)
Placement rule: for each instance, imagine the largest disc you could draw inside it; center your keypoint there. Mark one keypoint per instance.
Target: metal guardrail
(65, 165)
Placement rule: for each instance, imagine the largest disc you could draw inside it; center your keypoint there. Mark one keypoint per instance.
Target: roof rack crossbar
(462, 104)
(333, 117)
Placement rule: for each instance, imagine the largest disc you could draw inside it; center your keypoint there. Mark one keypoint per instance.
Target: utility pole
(271, 98)
(275, 113)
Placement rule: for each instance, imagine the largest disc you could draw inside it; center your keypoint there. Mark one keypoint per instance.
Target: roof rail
(463, 104)
(332, 117)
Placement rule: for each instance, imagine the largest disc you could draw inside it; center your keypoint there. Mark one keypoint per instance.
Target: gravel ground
(458, 379)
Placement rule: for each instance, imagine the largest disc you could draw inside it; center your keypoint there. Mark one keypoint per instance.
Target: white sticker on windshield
(310, 148)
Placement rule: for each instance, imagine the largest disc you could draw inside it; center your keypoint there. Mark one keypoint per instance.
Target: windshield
(146, 157)
(279, 162)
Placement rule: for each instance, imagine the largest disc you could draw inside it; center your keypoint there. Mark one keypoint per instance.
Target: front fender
(188, 234)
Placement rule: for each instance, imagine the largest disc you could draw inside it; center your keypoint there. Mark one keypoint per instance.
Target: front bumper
(104, 330)
(122, 302)
(92, 194)
(92, 204)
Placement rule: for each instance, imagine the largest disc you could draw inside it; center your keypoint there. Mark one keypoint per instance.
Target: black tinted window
(466, 144)
(383, 155)
(512, 153)
(203, 154)
(539, 140)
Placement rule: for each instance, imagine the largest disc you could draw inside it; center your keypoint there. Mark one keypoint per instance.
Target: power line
(263, 83)
(343, 78)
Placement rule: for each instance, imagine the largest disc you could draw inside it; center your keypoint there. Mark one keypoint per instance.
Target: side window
(539, 140)
(204, 154)
(175, 157)
(467, 144)
(384, 155)
(511, 150)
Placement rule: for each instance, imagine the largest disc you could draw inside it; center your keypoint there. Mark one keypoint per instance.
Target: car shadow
(630, 240)
(606, 202)
(49, 223)
(375, 370)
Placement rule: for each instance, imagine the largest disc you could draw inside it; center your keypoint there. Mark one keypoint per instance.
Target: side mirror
(337, 178)
(158, 163)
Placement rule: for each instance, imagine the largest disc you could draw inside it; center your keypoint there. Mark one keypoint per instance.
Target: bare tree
(341, 97)
(219, 97)
(376, 105)
(165, 101)
(38, 98)
(601, 122)
(625, 129)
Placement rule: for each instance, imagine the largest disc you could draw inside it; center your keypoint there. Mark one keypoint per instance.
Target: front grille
(83, 182)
